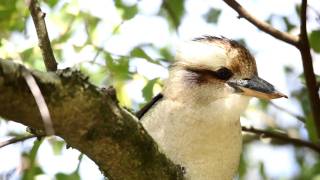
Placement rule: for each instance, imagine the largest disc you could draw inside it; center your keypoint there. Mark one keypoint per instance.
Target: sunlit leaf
(128, 11)
(11, 18)
(147, 91)
(140, 53)
(51, 3)
(63, 38)
(91, 22)
(77, 48)
(118, 67)
(212, 16)
(26, 54)
(57, 146)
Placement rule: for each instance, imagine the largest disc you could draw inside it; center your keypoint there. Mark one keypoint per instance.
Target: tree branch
(16, 139)
(43, 37)
(282, 136)
(88, 119)
(309, 75)
(263, 26)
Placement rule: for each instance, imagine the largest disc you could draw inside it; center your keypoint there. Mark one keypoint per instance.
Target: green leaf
(11, 17)
(26, 54)
(51, 3)
(175, 11)
(166, 54)
(32, 169)
(140, 53)
(91, 22)
(128, 12)
(243, 166)
(289, 25)
(63, 38)
(78, 48)
(212, 16)
(314, 40)
(57, 146)
(147, 91)
(118, 68)
(311, 127)
(72, 176)
(263, 104)
(302, 96)
(262, 171)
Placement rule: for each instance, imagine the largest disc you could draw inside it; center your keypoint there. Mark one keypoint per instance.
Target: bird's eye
(223, 73)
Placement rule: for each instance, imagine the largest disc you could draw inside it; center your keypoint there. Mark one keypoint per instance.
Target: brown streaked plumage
(243, 62)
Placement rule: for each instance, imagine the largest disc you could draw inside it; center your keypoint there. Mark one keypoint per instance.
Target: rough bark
(88, 119)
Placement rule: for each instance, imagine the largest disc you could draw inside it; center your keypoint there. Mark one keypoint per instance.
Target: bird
(195, 120)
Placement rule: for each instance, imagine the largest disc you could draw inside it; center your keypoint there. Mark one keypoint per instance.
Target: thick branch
(309, 75)
(263, 26)
(43, 37)
(88, 119)
(283, 137)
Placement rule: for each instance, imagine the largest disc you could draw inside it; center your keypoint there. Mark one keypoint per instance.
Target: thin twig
(300, 118)
(309, 75)
(282, 136)
(267, 28)
(43, 37)
(41, 103)
(16, 139)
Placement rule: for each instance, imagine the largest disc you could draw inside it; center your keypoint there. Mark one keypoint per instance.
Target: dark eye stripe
(222, 73)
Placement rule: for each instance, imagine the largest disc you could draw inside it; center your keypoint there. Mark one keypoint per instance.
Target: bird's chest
(206, 140)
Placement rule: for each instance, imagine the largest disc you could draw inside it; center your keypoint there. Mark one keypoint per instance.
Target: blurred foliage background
(130, 44)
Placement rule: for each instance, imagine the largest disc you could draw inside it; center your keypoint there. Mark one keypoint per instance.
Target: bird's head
(217, 67)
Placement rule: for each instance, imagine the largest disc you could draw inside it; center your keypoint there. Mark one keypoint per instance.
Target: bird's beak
(256, 87)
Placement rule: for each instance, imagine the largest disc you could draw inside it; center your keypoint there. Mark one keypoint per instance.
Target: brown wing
(149, 105)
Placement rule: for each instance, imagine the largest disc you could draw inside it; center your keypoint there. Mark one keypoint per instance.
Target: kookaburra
(196, 119)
